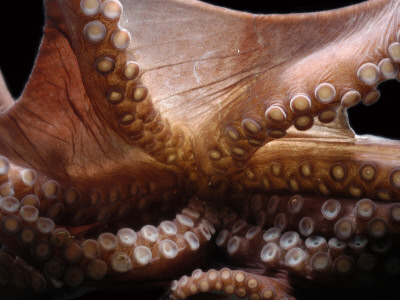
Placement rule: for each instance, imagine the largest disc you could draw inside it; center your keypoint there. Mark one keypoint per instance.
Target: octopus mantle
(181, 150)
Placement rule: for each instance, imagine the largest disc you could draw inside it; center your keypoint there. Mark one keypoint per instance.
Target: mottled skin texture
(231, 67)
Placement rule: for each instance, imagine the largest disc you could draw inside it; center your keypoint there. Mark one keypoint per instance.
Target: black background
(21, 29)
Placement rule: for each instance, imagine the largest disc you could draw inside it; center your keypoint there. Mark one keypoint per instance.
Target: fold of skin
(134, 108)
(6, 100)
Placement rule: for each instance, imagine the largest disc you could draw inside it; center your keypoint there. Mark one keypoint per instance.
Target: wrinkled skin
(63, 128)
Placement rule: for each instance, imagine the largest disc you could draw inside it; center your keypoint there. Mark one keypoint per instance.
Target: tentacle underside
(151, 130)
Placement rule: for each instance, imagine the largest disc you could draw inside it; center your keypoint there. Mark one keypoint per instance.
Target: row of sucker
(243, 138)
(371, 74)
(230, 282)
(15, 273)
(321, 239)
(64, 258)
(25, 188)
(40, 196)
(326, 176)
(127, 97)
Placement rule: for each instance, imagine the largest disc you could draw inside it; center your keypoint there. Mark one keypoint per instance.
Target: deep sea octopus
(178, 149)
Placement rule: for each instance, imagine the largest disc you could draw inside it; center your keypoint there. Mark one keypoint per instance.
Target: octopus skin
(175, 149)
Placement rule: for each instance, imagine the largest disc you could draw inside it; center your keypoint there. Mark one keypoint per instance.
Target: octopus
(179, 150)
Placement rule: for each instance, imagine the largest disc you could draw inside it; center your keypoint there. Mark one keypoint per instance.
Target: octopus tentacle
(67, 96)
(337, 240)
(230, 282)
(235, 142)
(74, 261)
(365, 167)
(67, 204)
(102, 45)
(16, 275)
